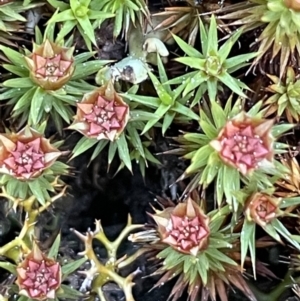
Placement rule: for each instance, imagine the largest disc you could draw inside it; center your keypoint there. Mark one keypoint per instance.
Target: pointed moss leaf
(36, 108)
(12, 186)
(232, 83)
(218, 115)
(233, 62)
(66, 292)
(152, 102)
(227, 46)
(55, 247)
(219, 185)
(135, 139)
(123, 151)
(183, 110)
(279, 227)
(112, 151)
(98, 149)
(215, 254)
(202, 271)
(18, 83)
(38, 191)
(255, 110)
(69, 268)
(248, 242)
(210, 171)
(162, 74)
(160, 112)
(15, 57)
(8, 267)
(218, 243)
(163, 95)
(270, 229)
(83, 70)
(188, 49)
(84, 144)
(188, 264)
(212, 42)
(150, 157)
(231, 186)
(287, 202)
(168, 119)
(279, 129)
(200, 159)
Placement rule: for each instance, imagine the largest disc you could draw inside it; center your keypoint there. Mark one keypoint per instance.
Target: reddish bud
(26, 154)
(184, 227)
(102, 114)
(262, 208)
(51, 66)
(38, 276)
(245, 142)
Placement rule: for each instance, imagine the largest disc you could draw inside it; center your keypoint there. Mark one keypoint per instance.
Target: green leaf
(19, 83)
(123, 151)
(100, 146)
(248, 242)
(231, 83)
(66, 292)
(36, 108)
(9, 267)
(86, 25)
(160, 112)
(212, 41)
(183, 110)
(37, 191)
(215, 254)
(69, 268)
(66, 15)
(279, 129)
(83, 70)
(55, 247)
(199, 159)
(163, 95)
(84, 144)
(218, 115)
(287, 202)
(15, 57)
(59, 4)
(279, 227)
(188, 49)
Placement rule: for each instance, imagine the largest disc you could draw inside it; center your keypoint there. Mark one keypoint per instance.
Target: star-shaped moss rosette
(232, 145)
(80, 15)
(105, 119)
(47, 81)
(263, 209)
(279, 20)
(285, 97)
(212, 67)
(40, 276)
(28, 164)
(199, 250)
(127, 14)
(168, 106)
(101, 273)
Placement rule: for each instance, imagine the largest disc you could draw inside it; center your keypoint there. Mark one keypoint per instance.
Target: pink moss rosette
(38, 277)
(24, 155)
(184, 227)
(262, 208)
(51, 66)
(245, 142)
(102, 114)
